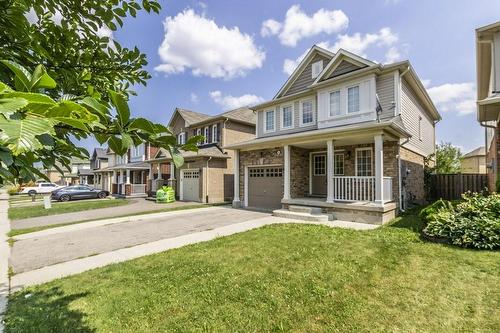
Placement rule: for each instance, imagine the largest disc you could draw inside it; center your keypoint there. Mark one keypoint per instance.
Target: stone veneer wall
(299, 172)
(413, 182)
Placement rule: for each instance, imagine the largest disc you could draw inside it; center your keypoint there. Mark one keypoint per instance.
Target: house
(78, 167)
(126, 175)
(343, 135)
(488, 96)
(207, 175)
(474, 161)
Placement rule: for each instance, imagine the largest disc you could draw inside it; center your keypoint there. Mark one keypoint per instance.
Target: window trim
(183, 136)
(206, 134)
(330, 115)
(301, 112)
(320, 70)
(356, 160)
(282, 116)
(265, 130)
(335, 154)
(214, 133)
(358, 85)
(314, 165)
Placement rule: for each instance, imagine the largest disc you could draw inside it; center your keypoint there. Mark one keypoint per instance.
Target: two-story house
(98, 163)
(343, 134)
(488, 97)
(207, 175)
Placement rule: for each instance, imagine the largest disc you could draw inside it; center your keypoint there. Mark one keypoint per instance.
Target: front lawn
(299, 278)
(19, 213)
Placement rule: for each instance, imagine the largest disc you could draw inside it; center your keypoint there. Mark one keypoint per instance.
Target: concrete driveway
(33, 253)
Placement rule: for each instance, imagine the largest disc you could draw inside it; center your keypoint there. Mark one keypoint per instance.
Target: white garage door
(190, 179)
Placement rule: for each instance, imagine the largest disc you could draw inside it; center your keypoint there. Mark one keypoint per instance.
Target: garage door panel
(265, 187)
(191, 185)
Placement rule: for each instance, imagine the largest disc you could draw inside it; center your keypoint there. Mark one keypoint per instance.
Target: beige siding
(305, 79)
(415, 117)
(343, 68)
(385, 92)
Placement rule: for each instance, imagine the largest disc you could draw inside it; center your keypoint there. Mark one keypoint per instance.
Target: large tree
(60, 81)
(448, 158)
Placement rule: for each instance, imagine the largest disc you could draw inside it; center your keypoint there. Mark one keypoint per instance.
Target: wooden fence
(451, 186)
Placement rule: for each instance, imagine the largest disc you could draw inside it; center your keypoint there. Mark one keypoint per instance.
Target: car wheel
(64, 198)
(101, 195)
(31, 192)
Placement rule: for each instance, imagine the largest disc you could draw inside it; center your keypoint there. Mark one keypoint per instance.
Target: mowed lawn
(280, 278)
(24, 212)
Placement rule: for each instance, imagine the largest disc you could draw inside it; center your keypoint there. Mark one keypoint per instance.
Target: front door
(318, 174)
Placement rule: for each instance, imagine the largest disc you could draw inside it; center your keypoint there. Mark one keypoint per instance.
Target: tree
(66, 37)
(448, 158)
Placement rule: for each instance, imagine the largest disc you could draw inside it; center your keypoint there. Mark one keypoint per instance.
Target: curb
(4, 255)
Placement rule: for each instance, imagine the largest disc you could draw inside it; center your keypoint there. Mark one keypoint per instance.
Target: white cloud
(194, 98)
(392, 55)
(229, 102)
(458, 97)
(298, 25)
(426, 82)
(198, 43)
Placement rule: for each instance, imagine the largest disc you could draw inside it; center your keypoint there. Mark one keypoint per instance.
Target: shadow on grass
(409, 220)
(45, 311)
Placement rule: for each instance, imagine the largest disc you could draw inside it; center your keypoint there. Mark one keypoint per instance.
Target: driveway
(32, 253)
(134, 207)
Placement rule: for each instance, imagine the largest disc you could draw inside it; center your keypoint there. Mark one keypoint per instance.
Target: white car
(40, 188)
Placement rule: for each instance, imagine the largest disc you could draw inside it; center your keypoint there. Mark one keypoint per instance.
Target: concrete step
(304, 209)
(302, 216)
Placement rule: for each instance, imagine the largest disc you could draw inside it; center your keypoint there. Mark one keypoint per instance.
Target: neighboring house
(488, 96)
(343, 134)
(207, 175)
(125, 175)
(71, 177)
(98, 162)
(474, 161)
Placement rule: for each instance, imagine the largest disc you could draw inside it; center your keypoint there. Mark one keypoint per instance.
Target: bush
(13, 189)
(474, 222)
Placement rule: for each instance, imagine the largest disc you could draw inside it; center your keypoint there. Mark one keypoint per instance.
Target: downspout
(206, 180)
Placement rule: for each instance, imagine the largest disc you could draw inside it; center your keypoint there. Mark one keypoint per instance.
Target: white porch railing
(359, 188)
(137, 188)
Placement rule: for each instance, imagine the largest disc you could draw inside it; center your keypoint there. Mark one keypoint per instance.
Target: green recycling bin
(166, 194)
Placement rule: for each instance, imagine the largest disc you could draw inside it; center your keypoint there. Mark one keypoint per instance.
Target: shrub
(473, 222)
(13, 189)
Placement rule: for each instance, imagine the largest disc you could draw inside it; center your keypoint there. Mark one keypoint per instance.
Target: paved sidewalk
(4, 255)
(136, 206)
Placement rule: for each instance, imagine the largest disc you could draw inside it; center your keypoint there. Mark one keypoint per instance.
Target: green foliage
(13, 189)
(71, 39)
(474, 222)
(447, 158)
(37, 128)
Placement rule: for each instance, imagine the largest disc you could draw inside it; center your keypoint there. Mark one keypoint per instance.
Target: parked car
(40, 188)
(76, 192)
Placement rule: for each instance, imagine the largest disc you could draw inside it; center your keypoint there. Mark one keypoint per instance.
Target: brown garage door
(265, 187)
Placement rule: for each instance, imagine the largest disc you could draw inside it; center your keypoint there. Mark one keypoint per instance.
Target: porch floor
(355, 205)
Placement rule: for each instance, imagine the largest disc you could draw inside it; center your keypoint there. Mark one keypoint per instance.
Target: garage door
(265, 187)
(191, 185)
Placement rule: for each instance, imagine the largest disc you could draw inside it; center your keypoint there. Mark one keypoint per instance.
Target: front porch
(129, 183)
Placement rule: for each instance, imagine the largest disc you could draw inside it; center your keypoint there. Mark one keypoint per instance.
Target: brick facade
(412, 176)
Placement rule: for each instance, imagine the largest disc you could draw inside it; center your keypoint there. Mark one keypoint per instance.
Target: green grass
(280, 278)
(18, 213)
(16, 232)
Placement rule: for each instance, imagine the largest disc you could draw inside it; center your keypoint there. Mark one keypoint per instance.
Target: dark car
(76, 192)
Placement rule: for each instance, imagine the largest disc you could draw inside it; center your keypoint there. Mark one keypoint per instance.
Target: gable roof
(190, 117)
(340, 56)
(208, 151)
(302, 65)
(242, 115)
(479, 151)
(100, 153)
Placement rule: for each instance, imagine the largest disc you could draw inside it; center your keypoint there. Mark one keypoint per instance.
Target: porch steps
(311, 214)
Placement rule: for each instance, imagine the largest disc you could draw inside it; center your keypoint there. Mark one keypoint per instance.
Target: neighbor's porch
(129, 182)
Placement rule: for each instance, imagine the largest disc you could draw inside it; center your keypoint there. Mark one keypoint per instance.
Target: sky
(213, 56)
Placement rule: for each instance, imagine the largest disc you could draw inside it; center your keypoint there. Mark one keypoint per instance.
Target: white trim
(356, 160)
(358, 85)
(340, 55)
(214, 133)
(282, 114)
(336, 153)
(397, 93)
(314, 165)
(336, 116)
(330, 161)
(264, 129)
(245, 187)
(301, 112)
(206, 134)
(320, 69)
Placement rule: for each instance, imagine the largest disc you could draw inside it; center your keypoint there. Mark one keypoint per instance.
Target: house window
(181, 138)
(198, 133)
(269, 121)
(206, 135)
(307, 116)
(353, 99)
(287, 117)
(137, 151)
(214, 133)
(364, 162)
(339, 165)
(319, 166)
(316, 68)
(335, 103)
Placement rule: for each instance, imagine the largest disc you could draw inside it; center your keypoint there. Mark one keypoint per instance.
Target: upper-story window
(353, 99)
(287, 116)
(316, 68)
(306, 112)
(334, 103)
(137, 152)
(121, 159)
(269, 121)
(181, 138)
(215, 133)
(198, 133)
(206, 134)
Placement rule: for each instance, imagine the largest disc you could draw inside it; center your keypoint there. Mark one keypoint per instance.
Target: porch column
(172, 170)
(127, 175)
(379, 168)
(330, 156)
(159, 171)
(286, 192)
(236, 172)
(150, 174)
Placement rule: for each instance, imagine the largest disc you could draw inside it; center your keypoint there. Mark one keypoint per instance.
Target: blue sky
(211, 56)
